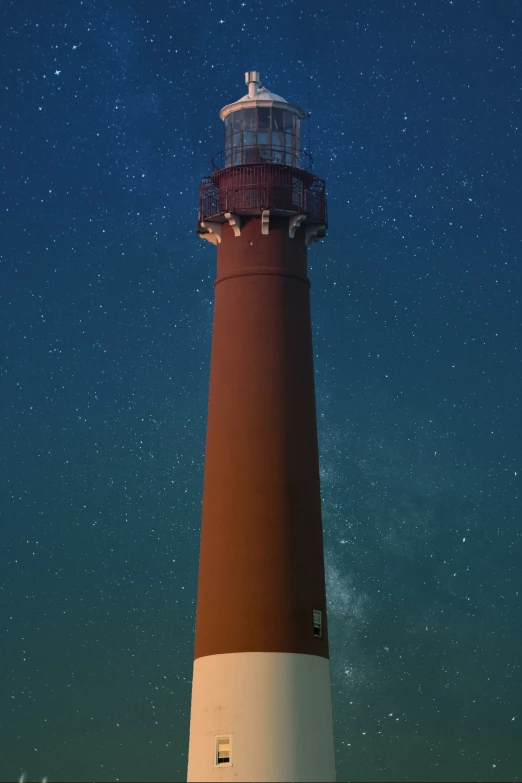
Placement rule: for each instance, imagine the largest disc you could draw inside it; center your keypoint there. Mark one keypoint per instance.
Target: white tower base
(267, 715)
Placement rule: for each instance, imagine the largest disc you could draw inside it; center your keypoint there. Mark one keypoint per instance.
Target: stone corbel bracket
(294, 223)
(214, 232)
(265, 221)
(235, 222)
(314, 233)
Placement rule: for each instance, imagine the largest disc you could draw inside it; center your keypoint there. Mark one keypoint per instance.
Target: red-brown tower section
(261, 704)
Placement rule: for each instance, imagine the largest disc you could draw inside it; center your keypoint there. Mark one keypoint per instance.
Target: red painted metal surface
(261, 572)
(252, 188)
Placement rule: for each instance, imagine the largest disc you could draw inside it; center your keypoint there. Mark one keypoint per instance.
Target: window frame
(217, 738)
(317, 613)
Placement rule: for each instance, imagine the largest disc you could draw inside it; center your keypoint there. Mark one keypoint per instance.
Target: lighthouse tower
(261, 700)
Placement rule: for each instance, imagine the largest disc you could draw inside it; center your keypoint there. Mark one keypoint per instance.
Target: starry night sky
(109, 118)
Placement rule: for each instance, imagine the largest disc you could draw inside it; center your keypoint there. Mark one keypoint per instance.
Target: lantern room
(262, 172)
(261, 127)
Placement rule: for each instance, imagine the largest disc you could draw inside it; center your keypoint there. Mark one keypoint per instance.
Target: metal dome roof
(259, 96)
(263, 95)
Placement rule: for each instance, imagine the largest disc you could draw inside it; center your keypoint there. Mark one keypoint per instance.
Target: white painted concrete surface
(275, 707)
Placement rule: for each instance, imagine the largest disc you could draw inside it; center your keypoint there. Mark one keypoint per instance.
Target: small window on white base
(318, 623)
(223, 754)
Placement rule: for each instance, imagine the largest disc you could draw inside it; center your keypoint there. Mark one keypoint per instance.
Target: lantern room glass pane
(278, 137)
(262, 134)
(249, 119)
(289, 141)
(278, 118)
(263, 118)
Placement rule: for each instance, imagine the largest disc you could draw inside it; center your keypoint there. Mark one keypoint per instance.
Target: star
(75, 46)
(57, 73)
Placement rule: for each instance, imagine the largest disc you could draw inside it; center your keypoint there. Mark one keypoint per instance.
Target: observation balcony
(263, 182)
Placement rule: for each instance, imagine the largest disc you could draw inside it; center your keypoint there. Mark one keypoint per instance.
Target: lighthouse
(261, 696)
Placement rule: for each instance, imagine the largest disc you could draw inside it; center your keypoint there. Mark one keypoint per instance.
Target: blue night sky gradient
(108, 120)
